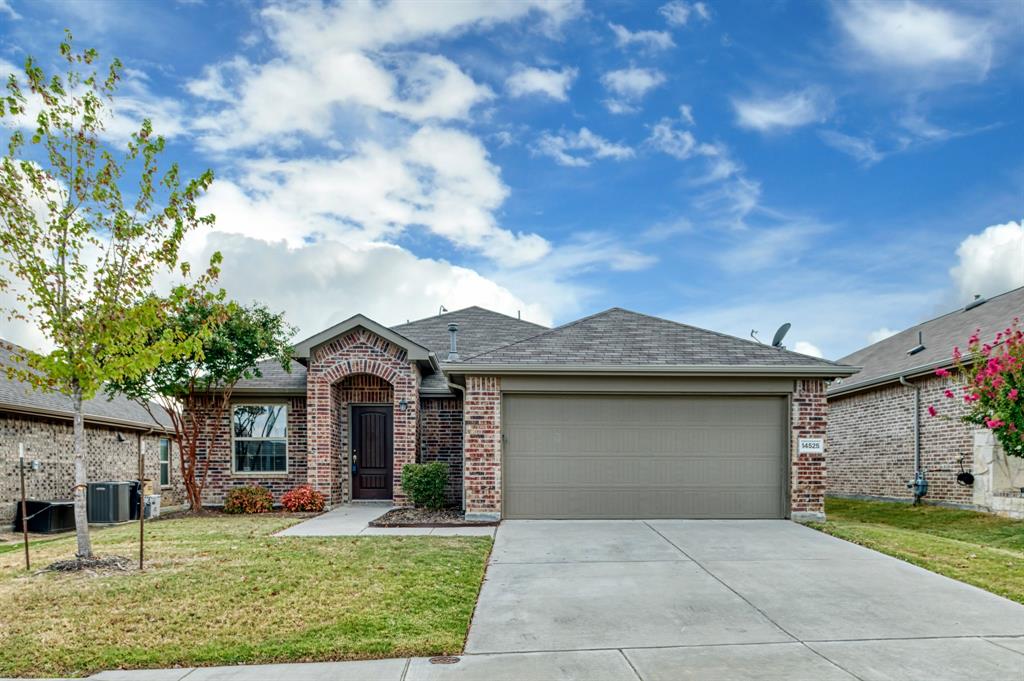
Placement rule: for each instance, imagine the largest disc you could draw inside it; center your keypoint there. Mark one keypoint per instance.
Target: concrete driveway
(705, 599)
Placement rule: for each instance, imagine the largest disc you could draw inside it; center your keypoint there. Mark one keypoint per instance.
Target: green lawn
(980, 549)
(221, 590)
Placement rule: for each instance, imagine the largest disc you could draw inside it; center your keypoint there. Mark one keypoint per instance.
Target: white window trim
(160, 462)
(231, 424)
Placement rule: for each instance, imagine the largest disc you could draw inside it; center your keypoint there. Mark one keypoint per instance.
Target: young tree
(195, 388)
(77, 255)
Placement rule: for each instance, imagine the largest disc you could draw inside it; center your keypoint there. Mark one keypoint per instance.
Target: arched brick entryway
(357, 353)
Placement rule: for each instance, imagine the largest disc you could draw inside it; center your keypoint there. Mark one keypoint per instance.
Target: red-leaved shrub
(249, 499)
(303, 498)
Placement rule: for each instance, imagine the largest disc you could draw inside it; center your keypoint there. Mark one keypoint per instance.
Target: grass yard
(977, 548)
(221, 590)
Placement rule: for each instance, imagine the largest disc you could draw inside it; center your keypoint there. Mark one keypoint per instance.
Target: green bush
(249, 499)
(425, 483)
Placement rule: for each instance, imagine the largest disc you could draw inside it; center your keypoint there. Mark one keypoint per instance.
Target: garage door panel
(620, 456)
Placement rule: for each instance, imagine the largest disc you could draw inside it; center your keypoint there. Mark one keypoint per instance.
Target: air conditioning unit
(109, 501)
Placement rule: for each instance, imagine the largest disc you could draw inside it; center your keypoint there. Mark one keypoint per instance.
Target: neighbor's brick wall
(809, 419)
(483, 444)
(441, 440)
(871, 439)
(215, 443)
(51, 442)
(357, 352)
(356, 389)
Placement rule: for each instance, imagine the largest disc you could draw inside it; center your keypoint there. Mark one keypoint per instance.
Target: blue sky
(851, 168)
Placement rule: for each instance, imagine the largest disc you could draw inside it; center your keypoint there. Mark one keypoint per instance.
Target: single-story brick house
(114, 430)
(872, 417)
(616, 415)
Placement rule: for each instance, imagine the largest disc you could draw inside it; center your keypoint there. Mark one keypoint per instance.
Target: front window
(261, 438)
(165, 462)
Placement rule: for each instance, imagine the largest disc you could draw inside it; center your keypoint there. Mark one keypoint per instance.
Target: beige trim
(649, 370)
(231, 426)
(415, 351)
(650, 384)
(88, 418)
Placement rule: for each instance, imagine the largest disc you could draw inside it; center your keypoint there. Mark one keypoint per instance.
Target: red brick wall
(215, 442)
(809, 419)
(441, 440)
(357, 352)
(483, 444)
(871, 438)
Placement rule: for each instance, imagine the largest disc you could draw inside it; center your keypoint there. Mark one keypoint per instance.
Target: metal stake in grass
(142, 504)
(24, 503)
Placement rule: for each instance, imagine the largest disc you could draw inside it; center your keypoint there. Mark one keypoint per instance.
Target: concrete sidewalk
(351, 520)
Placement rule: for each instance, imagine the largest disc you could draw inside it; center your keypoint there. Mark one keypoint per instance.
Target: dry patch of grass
(221, 590)
(977, 548)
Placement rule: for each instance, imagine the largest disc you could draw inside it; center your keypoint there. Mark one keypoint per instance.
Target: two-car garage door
(635, 456)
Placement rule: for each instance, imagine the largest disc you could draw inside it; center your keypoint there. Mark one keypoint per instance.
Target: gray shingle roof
(885, 360)
(21, 397)
(618, 337)
(479, 330)
(275, 378)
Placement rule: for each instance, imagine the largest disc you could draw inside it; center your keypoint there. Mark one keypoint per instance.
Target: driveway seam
(405, 669)
(998, 645)
(630, 663)
(720, 581)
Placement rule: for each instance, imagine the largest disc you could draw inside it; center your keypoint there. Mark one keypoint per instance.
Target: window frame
(160, 459)
(234, 456)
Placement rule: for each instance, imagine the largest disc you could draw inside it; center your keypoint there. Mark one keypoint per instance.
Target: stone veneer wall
(441, 440)
(357, 352)
(51, 442)
(871, 440)
(215, 443)
(808, 419)
(482, 424)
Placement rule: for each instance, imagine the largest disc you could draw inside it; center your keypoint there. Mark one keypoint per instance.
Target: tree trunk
(81, 478)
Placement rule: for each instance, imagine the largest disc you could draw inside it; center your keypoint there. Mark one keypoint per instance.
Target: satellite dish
(780, 334)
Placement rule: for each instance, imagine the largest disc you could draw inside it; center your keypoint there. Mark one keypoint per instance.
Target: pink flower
(994, 423)
(932, 411)
(949, 393)
(1012, 395)
(942, 372)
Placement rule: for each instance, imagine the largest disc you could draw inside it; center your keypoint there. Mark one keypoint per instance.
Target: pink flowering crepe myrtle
(990, 379)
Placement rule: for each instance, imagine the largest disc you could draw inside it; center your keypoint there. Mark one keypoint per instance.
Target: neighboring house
(617, 415)
(871, 417)
(114, 431)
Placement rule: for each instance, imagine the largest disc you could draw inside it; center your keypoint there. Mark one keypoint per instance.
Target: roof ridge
(542, 333)
(463, 309)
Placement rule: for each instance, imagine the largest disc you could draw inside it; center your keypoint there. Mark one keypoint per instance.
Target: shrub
(425, 483)
(303, 498)
(249, 499)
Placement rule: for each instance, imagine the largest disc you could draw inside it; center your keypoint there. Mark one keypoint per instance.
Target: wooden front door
(372, 452)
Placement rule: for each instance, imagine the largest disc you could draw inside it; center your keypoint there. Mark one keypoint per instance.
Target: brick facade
(808, 474)
(441, 440)
(482, 424)
(357, 352)
(871, 438)
(50, 441)
(215, 443)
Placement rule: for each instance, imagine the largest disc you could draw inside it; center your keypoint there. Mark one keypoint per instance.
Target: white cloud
(349, 57)
(990, 262)
(553, 83)
(628, 86)
(678, 12)
(881, 334)
(686, 113)
(784, 112)
(5, 8)
(579, 149)
(650, 40)
(437, 178)
(768, 247)
(912, 36)
(805, 348)
(862, 149)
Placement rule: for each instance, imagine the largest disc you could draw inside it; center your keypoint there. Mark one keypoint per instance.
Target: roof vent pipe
(453, 349)
(978, 300)
(920, 344)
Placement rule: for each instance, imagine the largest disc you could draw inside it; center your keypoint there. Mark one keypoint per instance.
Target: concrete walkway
(350, 520)
(674, 600)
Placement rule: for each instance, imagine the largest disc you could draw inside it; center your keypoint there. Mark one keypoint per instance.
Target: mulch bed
(422, 517)
(96, 565)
